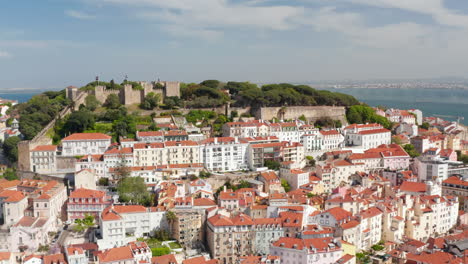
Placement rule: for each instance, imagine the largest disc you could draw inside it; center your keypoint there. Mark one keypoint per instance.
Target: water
(20, 97)
(447, 103)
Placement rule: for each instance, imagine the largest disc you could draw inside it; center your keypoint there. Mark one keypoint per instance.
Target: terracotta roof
(87, 136)
(204, 202)
(269, 175)
(455, 180)
(320, 244)
(115, 254)
(371, 212)
(339, 213)
(166, 259)
(239, 220)
(45, 148)
(329, 132)
(150, 133)
(437, 257)
(374, 131)
(12, 196)
(408, 186)
(5, 255)
(113, 212)
(199, 260)
(87, 193)
(119, 151)
(350, 224)
(72, 250)
(53, 259)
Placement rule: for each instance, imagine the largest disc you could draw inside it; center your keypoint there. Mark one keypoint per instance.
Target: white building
(80, 144)
(331, 139)
(430, 168)
(224, 154)
(44, 159)
(121, 224)
(369, 138)
(305, 251)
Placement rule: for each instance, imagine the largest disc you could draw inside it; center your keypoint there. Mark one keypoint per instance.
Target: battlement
(127, 94)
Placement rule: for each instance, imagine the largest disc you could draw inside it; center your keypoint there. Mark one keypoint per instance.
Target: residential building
(44, 159)
(369, 138)
(229, 237)
(82, 202)
(265, 231)
(430, 168)
(121, 224)
(80, 144)
(331, 139)
(224, 154)
(305, 251)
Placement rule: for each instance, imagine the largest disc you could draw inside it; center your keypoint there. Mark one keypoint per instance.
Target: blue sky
(56, 43)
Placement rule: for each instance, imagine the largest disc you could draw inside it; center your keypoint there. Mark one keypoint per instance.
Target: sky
(50, 44)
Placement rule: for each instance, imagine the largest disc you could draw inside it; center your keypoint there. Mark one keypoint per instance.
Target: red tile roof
(115, 254)
(12, 196)
(166, 259)
(150, 133)
(87, 193)
(45, 148)
(53, 259)
(371, 212)
(408, 186)
(239, 220)
(87, 136)
(339, 213)
(320, 244)
(329, 132)
(374, 131)
(204, 202)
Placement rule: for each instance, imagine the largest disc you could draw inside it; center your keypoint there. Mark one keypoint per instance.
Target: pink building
(85, 201)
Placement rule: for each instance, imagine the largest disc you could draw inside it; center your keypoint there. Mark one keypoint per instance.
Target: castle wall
(101, 93)
(312, 113)
(171, 88)
(132, 96)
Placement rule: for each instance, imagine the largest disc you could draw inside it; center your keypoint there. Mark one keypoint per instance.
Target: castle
(127, 94)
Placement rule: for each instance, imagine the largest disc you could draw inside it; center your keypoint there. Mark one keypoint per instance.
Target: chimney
(216, 140)
(224, 188)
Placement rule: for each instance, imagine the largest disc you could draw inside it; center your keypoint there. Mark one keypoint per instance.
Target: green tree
(285, 185)
(78, 122)
(272, 164)
(310, 161)
(151, 101)
(112, 101)
(409, 148)
(121, 171)
(160, 251)
(83, 224)
(133, 190)
(10, 148)
(425, 125)
(10, 174)
(211, 83)
(92, 102)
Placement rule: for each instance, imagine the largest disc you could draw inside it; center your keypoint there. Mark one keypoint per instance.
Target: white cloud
(4, 54)
(79, 15)
(210, 18)
(435, 8)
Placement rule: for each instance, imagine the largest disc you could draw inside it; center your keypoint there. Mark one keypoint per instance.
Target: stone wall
(66, 163)
(101, 93)
(312, 113)
(25, 147)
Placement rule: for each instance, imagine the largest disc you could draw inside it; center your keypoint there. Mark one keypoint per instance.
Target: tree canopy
(360, 114)
(133, 190)
(10, 148)
(112, 101)
(39, 111)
